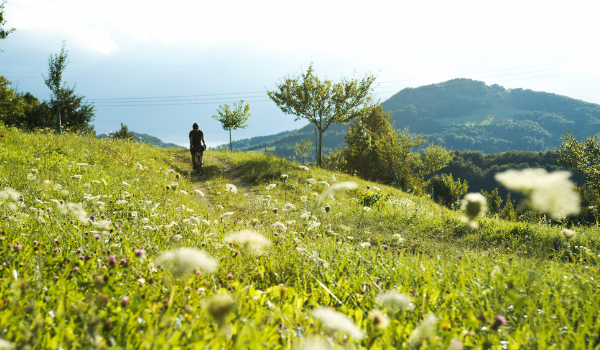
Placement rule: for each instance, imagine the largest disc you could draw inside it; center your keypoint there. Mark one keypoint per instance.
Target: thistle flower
(219, 306)
(394, 301)
(230, 188)
(424, 330)
(337, 321)
(568, 234)
(249, 239)
(271, 186)
(552, 193)
(474, 205)
(185, 260)
(338, 187)
(379, 319)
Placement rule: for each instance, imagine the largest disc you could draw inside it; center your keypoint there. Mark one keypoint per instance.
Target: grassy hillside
(145, 138)
(464, 114)
(91, 257)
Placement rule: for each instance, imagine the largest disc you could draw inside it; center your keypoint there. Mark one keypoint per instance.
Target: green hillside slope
(109, 244)
(464, 114)
(145, 138)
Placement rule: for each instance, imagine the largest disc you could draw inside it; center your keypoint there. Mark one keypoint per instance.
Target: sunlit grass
(68, 283)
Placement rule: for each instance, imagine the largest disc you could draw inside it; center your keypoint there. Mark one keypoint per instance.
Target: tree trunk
(320, 160)
(230, 144)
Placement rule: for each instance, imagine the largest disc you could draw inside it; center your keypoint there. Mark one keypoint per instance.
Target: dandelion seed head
(379, 319)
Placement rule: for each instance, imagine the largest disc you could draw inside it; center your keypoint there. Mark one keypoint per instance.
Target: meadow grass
(68, 282)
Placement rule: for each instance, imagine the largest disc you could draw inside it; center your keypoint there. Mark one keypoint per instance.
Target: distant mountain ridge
(465, 114)
(145, 138)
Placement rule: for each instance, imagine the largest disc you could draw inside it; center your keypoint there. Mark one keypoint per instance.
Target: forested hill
(147, 139)
(464, 114)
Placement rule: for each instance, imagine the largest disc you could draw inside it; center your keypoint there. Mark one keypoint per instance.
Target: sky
(160, 66)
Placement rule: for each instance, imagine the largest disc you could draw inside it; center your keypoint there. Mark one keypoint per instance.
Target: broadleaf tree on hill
(583, 157)
(57, 64)
(3, 32)
(323, 102)
(233, 118)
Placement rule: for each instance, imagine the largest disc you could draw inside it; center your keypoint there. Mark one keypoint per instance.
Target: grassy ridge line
(45, 303)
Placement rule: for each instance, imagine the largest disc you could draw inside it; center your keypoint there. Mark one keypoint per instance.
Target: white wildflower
(225, 215)
(311, 181)
(75, 209)
(305, 215)
(289, 206)
(303, 199)
(279, 226)
(10, 194)
(291, 222)
(337, 321)
(394, 301)
(219, 206)
(185, 260)
(313, 225)
(271, 186)
(324, 183)
(176, 238)
(205, 222)
(302, 167)
(424, 330)
(379, 319)
(126, 184)
(366, 208)
(121, 202)
(184, 192)
(248, 238)
(365, 244)
(76, 177)
(474, 205)
(156, 205)
(199, 193)
(339, 187)
(552, 193)
(398, 237)
(102, 225)
(150, 228)
(139, 166)
(31, 177)
(568, 234)
(134, 214)
(194, 221)
(4, 344)
(230, 188)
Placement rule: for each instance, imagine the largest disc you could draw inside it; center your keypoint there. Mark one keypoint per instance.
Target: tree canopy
(3, 32)
(323, 102)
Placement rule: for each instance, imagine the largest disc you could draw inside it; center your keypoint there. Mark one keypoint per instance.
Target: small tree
(123, 133)
(233, 118)
(583, 157)
(323, 102)
(56, 66)
(303, 149)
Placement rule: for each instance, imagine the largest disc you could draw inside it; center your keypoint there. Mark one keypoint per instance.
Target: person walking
(197, 147)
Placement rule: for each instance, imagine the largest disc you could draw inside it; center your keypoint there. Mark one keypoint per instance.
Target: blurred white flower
(31, 177)
(184, 192)
(271, 186)
(312, 225)
(339, 187)
(291, 222)
(4, 344)
(302, 167)
(199, 193)
(337, 321)
(225, 215)
(423, 331)
(568, 234)
(375, 188)
(366, 208)
(139, 166)
(305, 215)
(205, 222)
(324, 183)
(10, 194)
(379, 319)
(303, 199)
(365, 244)
(248, 238)
(289, 206)
(394, 301)
(76, 177)
(121, 202)
(194, 221)
(311, 181)
(474, 205)
(279, 226)
(552, 193)
(126, 184)
(185, 260)
(102, 225)
(75, 209)
(230, 188)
